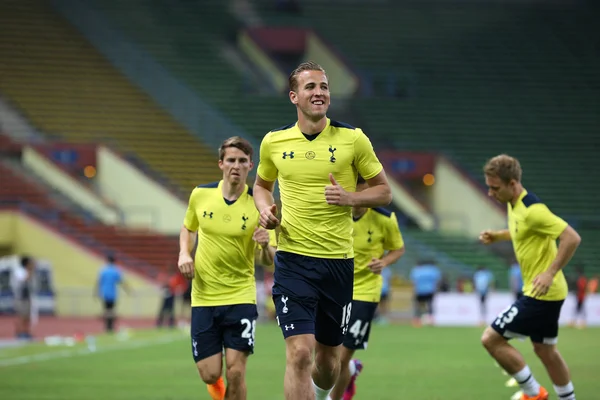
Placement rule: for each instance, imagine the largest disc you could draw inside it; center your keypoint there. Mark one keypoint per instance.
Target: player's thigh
(359, 327)
(239, 327)
(529, 317)
(235, 365)
(206, 334)
(546, 317)
(334, 309)
(294, 294)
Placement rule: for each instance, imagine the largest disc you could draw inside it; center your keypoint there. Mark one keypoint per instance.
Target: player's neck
(232, 191)
(518, 190)
(309, 127)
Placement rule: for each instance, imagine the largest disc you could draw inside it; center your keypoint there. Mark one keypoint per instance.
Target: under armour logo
(288, 327)
(207, 214)
(332, 151)
(285, 308)
(369, 232)
(244, 218)
(194, 344)
(250, 342)
(286, 154)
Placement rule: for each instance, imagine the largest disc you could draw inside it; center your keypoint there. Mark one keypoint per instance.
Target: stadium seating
(66, 88)
(189, 40)
(147, 253)
(488, 79)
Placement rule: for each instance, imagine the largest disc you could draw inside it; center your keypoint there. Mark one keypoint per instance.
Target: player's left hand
(542, 283)
(261, 236)
(376, 265)
(336, 195)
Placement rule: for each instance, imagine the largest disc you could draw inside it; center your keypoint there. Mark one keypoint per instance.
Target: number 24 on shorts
(506, 316)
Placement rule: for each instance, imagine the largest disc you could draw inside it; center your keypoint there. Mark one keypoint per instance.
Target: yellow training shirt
(310, 226)
(224, 260)
(374, 232)
(533, 231)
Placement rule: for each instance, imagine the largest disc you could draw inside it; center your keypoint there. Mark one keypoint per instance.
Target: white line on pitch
(85, 351)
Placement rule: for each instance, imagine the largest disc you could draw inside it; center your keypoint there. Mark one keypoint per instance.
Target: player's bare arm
(187, 239)
(265, 204)
(569, 240)
(488, 236)
(266, 254)
(378, 264)
(378, 194)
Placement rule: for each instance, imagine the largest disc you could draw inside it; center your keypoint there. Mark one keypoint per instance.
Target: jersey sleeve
(365, 159)
(393, 238)
(191, 219)
(266, 167)
(542, 221)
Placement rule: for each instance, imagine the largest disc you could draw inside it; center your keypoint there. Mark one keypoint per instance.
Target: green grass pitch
(402, 362)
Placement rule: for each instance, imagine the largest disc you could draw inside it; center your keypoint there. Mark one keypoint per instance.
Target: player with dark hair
(223, 219)
(533, 230)
(316, 162)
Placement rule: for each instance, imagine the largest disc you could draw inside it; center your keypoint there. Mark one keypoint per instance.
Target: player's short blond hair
(237, 142)
(504, 167)
(305, 66)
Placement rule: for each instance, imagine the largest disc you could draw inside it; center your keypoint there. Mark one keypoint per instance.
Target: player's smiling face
(312, 94)
(235, 165)
(503, 192)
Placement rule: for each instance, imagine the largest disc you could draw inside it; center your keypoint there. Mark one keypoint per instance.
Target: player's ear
(293, 97)
(251, 165)
(221, 164)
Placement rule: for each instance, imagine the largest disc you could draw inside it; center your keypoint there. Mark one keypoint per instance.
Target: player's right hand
(186, 266)
(487, 237)
(268, 219)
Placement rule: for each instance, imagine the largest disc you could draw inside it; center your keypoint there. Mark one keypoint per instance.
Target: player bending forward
(533, 230)
(375, 232)
(316, 161)
(224, 220)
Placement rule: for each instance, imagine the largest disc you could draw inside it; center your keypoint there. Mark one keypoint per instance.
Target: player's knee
(491, 339)
(545, 352)
(299, 355)
(327, 361)
(208, 373)
(235, 374)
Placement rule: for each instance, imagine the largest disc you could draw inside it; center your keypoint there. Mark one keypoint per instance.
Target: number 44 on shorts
(506, 316)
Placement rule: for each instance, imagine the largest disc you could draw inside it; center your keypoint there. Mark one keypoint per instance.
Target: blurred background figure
(383, 309)
(173, 285)
(23, 288)
(483, 282)
(107, 290)
(425, 278)
(581, 292)
(515, 280)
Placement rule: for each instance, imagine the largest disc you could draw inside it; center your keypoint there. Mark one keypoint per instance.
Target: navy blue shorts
(359, 329)
(218, 327)
(529, 317)
(313, 296)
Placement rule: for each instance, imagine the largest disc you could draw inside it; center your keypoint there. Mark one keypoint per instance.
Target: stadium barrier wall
(463, 309)
(143, 202)
(72, 265)
(68, 186)
(462, 207)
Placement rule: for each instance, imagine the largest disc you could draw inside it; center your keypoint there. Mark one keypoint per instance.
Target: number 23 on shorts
(506, 316)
